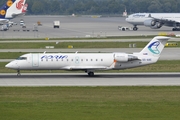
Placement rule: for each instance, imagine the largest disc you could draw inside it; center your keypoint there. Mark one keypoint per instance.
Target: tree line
(85, 7)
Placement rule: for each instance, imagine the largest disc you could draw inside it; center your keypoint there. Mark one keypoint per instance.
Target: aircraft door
(35, 60)
(77, 60)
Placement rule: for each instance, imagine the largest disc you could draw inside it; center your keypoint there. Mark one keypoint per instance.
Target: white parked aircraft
(11, 9)
(155, 20)
(90, 62)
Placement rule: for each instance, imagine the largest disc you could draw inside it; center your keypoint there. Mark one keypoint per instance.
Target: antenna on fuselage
(76, 52)
(44, 52)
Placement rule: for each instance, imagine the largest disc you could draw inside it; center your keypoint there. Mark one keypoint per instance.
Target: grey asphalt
(75, 27)
(82, 79)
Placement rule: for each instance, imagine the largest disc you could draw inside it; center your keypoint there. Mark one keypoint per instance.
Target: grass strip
(82, 38)
(90, 103)
(42, 45)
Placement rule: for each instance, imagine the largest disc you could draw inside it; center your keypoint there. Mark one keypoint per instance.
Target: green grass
(40, 45)
(82, 38)
(10, 55)
(66, 44)
(160, 66)
(89, 103)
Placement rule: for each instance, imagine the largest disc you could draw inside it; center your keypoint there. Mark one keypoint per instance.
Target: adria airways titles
(155, 20)
(90, 62)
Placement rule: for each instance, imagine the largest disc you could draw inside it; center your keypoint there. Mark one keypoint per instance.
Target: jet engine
(153, 24)
(123, 57)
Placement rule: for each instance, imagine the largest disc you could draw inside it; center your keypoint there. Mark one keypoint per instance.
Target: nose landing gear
(18, 73)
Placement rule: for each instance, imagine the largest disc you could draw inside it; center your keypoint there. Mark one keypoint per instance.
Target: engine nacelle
(149, 23)
(123, 57)
(157, 25)
(153, 24)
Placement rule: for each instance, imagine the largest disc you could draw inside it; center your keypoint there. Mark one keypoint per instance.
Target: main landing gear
(135, 28)
(90, 73)
(176, 29)
(18, 73)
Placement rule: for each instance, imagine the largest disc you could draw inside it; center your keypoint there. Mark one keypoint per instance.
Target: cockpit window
(22, 58)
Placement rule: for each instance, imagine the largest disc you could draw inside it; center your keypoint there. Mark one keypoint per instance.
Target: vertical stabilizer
(5, 7)
(155, 46)
(16, 8)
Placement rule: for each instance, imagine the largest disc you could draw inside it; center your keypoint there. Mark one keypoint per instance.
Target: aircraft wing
(165, 21)
(87, 68)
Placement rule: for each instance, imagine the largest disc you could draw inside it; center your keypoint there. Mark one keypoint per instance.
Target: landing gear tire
(176, 29)
(91, 73)
(135, 28)
(18, 73)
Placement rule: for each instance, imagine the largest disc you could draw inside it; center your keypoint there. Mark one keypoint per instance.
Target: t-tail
(155, 47)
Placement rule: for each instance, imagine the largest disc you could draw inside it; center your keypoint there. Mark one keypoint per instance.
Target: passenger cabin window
(22, 58)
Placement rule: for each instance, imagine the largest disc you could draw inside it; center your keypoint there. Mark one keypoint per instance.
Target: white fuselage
(139, 18)
(79, 61)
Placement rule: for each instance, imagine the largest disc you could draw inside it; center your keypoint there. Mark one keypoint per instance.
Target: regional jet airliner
(90, 62)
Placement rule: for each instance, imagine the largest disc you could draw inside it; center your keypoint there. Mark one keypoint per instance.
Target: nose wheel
(18, 73)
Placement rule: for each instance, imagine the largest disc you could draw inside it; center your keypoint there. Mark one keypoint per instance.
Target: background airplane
(155, 20)
(11, 9)
(90, 62)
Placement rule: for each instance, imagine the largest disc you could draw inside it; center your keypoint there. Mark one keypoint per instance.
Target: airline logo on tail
(24, 8)
(4, 8)
(153, 47)
(20, 4)
(9, 3)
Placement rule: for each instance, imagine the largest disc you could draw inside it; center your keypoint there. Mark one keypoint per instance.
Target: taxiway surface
(82, 79)
(83, 26)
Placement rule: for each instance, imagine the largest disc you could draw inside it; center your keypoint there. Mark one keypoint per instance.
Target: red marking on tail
(24, 8)
(19, 5)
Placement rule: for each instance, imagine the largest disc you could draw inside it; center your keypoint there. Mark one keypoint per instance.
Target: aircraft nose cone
(127, 19)
(11, 66)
